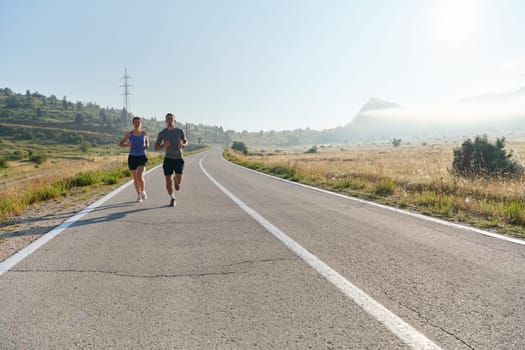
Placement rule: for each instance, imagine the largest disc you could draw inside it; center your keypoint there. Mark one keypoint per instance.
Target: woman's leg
(135, 181)
(141, 183)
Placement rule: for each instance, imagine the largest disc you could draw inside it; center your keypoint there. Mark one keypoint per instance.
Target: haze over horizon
(484, 108)
(267, 65)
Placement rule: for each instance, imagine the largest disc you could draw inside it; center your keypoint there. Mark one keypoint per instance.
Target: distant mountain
(379, 120)
(375, 103)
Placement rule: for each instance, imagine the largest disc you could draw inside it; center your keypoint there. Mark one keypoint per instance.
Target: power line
(126, 93)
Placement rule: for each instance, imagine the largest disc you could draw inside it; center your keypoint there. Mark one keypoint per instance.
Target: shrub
(312, 150)
(515, 213)
(9, 207)
(385, 187)
(240, 146)
(85, 146)
(51, 191)
(17, 155)
(283, 171)
(482, 158)
(3, 163)
(111, 180)
(85, 179)
(38, 158)
(112, 176)
(396, 142)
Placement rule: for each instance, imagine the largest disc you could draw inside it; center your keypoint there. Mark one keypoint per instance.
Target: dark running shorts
(135, 161)
(171, 166)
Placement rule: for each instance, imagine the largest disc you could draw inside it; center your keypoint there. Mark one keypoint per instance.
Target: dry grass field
(22, 176)
(413, 177)
(24, 183)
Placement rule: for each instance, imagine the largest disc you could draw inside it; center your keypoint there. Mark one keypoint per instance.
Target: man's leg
(178, 181)
(169, 184)
(169, 187)
(178, 173)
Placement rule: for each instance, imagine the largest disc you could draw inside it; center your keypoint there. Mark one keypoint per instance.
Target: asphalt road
(246, 261)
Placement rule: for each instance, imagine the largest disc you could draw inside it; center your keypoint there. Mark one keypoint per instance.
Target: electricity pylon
(126, 94)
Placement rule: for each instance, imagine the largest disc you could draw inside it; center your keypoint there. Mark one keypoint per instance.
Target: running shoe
(144, 195)
(139, 198)
(173, 202)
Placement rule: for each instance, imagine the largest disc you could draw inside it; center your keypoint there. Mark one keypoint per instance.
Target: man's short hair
(170, 115)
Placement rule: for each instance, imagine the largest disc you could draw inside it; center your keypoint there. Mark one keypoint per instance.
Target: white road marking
(404, 331)
(401, 211)
(14, 259)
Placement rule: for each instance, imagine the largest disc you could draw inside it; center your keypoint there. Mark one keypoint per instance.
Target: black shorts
(135, 161)
(171, 166)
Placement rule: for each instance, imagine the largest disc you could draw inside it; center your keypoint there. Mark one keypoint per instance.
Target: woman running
(138, 142)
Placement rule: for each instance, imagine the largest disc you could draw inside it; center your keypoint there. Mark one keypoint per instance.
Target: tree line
(32, 115)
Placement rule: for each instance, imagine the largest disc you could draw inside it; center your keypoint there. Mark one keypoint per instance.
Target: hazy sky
(262, 64)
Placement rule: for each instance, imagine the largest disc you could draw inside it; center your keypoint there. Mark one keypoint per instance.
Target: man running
(173, 140)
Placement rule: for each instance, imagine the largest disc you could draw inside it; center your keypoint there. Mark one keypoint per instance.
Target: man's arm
(184, 141)
(159, 145)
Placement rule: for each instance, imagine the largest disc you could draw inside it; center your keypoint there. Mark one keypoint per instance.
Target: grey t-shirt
(174, 136)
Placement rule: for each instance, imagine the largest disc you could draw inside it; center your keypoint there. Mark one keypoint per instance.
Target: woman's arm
(125, 140)
(146, 140)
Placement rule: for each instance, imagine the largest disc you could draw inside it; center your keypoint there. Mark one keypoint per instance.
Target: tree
(3, 163)
(8, 92)
(53, 100)
(396, 142)
(38, 114)
(124, 116)
(103, 117)
(85, 146)
(79, 119)
(240, 146)
(13, 102)
(312, 149)
(482, 158)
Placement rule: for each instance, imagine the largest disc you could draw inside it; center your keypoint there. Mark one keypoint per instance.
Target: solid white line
(404, 331)
(401, 211)
(14, 259)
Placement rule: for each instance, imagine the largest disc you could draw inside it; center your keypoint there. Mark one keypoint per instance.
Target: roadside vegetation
(33, 178)
(477, 182)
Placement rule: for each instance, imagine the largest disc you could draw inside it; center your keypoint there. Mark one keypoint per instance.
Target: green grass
(3, 163)
(515, 213)
(385, 187)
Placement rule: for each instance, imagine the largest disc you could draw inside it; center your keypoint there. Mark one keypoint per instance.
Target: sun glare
(455, 22)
